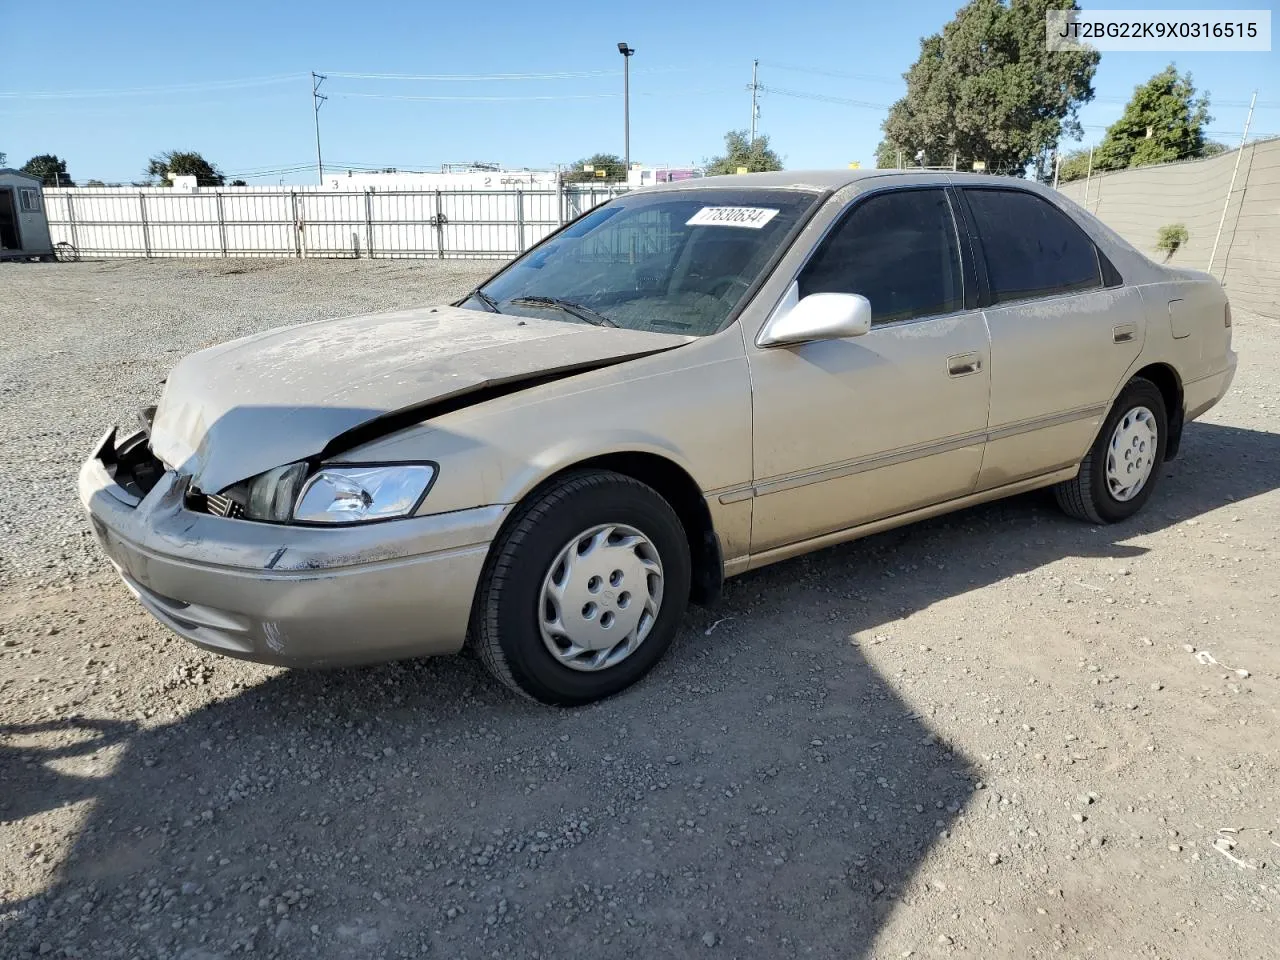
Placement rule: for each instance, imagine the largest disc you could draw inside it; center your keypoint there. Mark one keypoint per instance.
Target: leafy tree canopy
(612, 165)
(739, 151)
(183, 163)
(986, 88)
(1163, 121)
(51, 171)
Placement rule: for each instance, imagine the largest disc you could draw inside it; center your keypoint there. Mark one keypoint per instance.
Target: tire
(1092, 494)
(512, 628)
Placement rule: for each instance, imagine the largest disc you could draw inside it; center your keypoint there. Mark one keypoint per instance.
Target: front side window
(1032, 248)
(897, 249)
(29, 200)
(675, 262)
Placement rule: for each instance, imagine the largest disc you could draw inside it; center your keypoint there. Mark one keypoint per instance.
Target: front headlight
(335, 494)
(356, 494)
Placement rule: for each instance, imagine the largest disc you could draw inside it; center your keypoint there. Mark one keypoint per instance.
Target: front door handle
(964, 364)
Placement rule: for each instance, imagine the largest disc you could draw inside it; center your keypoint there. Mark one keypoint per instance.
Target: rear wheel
(584, 589)
(1121, 469)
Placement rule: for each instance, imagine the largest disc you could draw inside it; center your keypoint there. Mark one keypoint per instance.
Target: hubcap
(601, 597)
(1131, 454)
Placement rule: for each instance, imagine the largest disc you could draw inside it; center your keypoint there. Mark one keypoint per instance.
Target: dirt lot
(997, 734)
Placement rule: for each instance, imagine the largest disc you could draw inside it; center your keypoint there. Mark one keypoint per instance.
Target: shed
(24, 225)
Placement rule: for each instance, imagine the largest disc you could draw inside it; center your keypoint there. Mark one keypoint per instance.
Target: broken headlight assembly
(348, 493)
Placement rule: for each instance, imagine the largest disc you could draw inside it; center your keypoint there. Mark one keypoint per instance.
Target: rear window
(1032, 248)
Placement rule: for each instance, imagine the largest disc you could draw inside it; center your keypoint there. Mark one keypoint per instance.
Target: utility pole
(755, 103)
(1057, 167)
(1231, 189)
(1088, 175)
(317, 98)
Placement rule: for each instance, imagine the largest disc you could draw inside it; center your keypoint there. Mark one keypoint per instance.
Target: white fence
(91, 222)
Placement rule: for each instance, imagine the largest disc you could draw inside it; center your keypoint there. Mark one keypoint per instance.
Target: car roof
(832, 179)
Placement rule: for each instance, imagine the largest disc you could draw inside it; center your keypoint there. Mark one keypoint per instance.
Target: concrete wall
(1137, 203)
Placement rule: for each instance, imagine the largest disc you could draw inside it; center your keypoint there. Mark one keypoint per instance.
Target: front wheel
(1119, 473)
(584, 589)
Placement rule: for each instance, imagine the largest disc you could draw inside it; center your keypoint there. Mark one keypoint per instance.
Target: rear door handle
(1124, 332)
(964, 364)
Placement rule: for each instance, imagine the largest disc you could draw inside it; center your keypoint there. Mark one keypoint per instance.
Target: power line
(499, 77)
(493, 77)
(142, 91)
(831, 73)
(824, 98)
(443, 98)
(391, 96)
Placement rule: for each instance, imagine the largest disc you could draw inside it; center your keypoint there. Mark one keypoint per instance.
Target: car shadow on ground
(765, 790)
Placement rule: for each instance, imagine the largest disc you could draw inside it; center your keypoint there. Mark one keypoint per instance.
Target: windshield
(670, 261)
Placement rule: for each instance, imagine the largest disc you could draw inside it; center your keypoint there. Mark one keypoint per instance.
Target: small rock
(944, 939)
(1157, 686)
(709, 939)
(1175, 847)
(993, 858)
(1079, 817)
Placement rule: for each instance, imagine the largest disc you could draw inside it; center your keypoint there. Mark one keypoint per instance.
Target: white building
(445, 180)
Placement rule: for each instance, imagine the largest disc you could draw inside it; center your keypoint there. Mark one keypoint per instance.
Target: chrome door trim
(1041, 423)
(905, 455)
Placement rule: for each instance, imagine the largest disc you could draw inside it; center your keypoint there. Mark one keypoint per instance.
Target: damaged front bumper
(287, 595)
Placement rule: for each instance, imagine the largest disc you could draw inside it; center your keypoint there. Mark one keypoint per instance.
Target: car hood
(232, 411)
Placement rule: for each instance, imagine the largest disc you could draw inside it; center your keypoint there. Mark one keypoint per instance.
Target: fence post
(222, 224)
(440, 223)
(71, 219)
(519, 221)
(368, 221)
(297, 224)
(146, 230)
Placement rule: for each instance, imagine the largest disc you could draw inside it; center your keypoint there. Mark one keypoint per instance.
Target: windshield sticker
(751, 217)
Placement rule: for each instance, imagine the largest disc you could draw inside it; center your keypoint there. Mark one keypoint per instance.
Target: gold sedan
(685, 383)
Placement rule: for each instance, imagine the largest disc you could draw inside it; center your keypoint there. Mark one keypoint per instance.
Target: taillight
(1226, 314)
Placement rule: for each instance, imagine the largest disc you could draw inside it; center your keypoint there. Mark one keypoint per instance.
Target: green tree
(183, 163)
(1163, 121)
(51, 171)
(739, 151)
(612, 165)
(238, 183)
(986, 88)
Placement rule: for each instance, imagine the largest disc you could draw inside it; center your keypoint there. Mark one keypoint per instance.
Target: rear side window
(899, 250)
(1032, 248)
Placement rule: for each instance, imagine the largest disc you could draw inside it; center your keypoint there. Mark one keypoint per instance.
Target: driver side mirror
(819, 316)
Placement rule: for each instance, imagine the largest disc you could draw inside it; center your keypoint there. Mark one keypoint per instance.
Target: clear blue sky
(689, 79)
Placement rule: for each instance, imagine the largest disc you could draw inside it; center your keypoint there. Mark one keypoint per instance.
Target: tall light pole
(626, 105)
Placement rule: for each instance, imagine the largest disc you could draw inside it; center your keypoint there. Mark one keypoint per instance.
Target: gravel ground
(999, 733)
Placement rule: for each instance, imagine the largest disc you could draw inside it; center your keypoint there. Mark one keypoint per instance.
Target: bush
(1170, 238)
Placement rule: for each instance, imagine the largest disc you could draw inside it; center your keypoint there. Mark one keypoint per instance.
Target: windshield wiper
(484, 298)
(583, 313)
